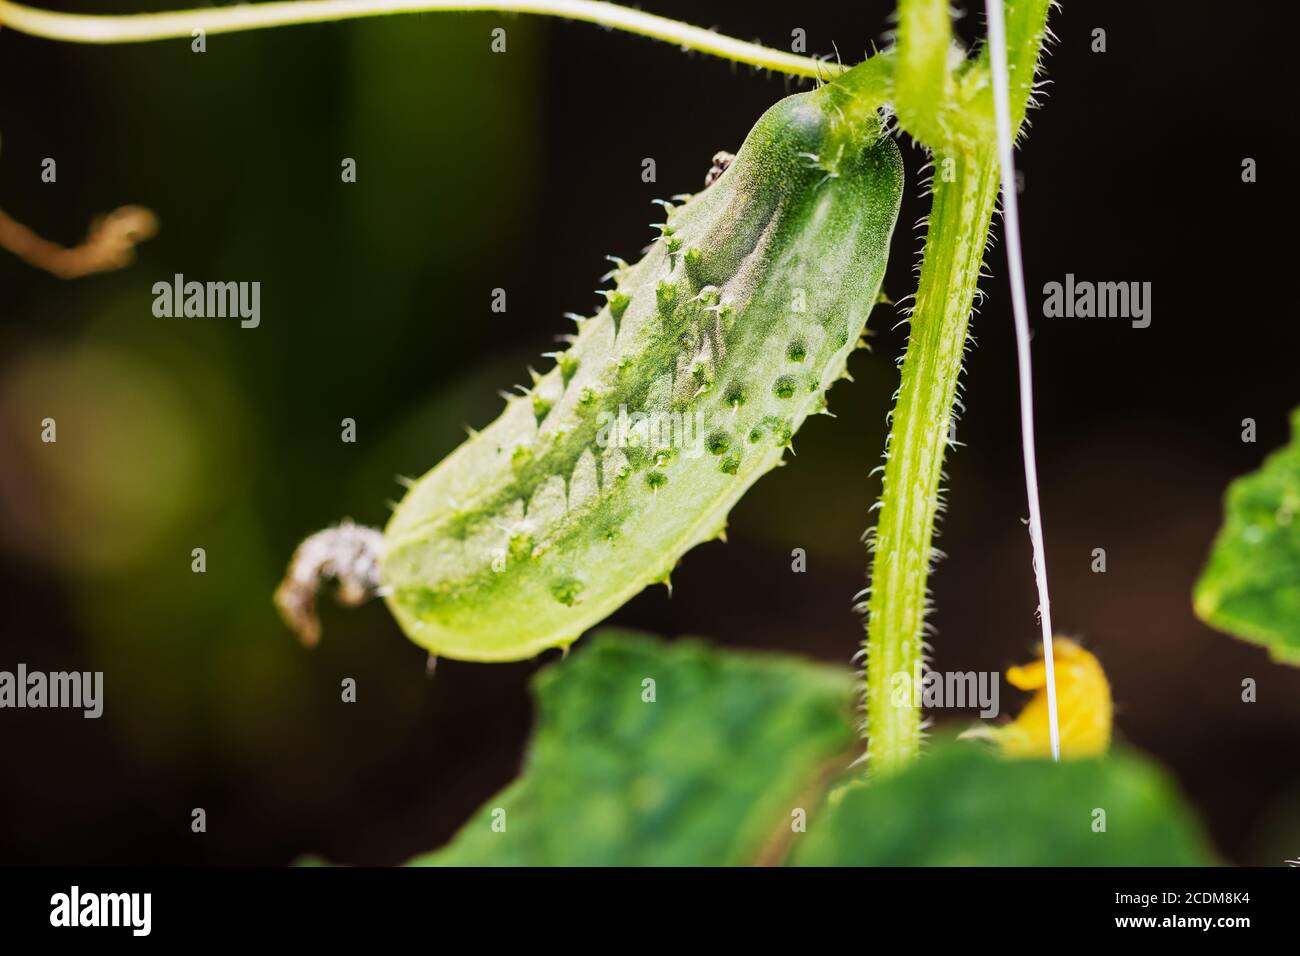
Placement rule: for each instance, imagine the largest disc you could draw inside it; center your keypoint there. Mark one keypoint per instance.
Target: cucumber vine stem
(911, 499)
(141, 27)
(949, 114)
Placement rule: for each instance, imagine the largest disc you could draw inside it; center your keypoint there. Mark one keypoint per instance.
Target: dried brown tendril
(348, 554)
(109, 244)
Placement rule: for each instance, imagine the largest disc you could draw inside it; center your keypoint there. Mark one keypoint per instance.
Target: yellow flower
(1083, 707)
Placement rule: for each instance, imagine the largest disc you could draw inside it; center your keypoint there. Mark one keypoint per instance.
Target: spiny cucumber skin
(535, 529)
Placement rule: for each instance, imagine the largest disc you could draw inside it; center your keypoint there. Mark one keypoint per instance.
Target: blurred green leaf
(961, 805)
(706, 774)
(1251, 585)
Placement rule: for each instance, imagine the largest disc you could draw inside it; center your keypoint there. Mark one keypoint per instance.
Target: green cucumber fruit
(672, 400)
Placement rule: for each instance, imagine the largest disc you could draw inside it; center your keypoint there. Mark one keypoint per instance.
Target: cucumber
(669, 403)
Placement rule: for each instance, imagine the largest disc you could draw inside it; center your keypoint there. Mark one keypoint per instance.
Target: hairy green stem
(140, 27)
(951, 114)
(954, 250)
(923, 86)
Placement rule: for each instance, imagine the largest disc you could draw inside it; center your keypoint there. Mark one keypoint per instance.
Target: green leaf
(1251, 585)
(707, 774)
(961, 805)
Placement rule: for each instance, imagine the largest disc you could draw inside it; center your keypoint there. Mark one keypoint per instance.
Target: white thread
(1016, 278)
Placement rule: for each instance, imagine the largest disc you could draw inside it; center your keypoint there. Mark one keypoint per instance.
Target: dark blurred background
(521, 171)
